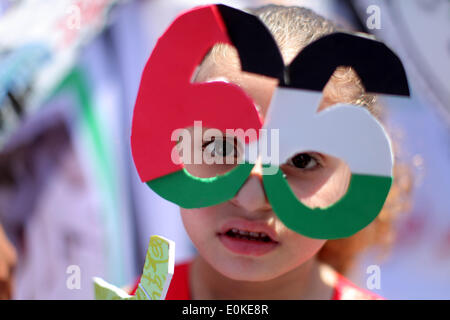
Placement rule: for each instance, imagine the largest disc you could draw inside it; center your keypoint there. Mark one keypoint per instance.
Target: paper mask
(167, 100)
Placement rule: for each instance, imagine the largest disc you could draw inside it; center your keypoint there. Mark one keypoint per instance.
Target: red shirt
(344, 289)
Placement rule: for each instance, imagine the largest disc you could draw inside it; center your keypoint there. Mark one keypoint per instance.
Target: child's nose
(252, 196)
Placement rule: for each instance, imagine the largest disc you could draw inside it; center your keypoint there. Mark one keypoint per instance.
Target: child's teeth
(250, 235)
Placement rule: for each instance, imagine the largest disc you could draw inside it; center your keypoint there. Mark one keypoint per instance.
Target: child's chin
(246, 269)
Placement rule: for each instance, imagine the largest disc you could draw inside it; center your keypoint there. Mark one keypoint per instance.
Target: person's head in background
(318, 180)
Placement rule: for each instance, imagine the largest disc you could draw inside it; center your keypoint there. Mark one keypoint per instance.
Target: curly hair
(293, 28)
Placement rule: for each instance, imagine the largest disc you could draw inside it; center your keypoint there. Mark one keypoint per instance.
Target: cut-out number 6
(167, 100)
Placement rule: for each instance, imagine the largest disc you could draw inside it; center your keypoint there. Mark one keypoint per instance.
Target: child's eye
(304, 161)
(221, 147)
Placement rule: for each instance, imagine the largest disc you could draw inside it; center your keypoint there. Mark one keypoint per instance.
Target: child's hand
(8, 260)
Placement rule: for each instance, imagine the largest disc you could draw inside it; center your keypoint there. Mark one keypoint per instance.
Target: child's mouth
(246, 242)
(248, 235)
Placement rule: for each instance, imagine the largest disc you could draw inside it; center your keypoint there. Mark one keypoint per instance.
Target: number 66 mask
(167, 101)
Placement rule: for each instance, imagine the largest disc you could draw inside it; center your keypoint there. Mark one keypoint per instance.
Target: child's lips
(246, 237)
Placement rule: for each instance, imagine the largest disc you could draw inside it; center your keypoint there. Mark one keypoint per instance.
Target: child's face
(318, 180)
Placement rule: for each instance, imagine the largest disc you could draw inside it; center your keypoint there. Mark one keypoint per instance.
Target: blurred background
(70, 197)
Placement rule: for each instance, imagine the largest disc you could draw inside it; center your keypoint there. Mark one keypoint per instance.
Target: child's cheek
(199, 224)
(299, 248)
